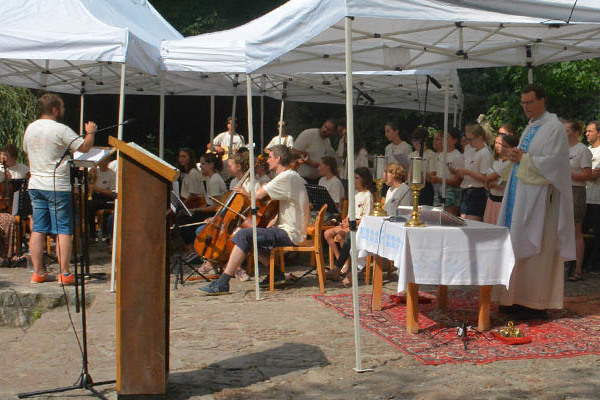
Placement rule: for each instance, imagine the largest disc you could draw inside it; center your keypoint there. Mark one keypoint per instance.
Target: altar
(475, 254)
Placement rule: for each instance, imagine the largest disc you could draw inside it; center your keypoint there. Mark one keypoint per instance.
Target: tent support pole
(281, 120)
(161, 127)
(233, 123)
(455, 115)
(445, 155)
(212, 118)
(81, 111)
(252, 184)
(120, 137)
(351, 211)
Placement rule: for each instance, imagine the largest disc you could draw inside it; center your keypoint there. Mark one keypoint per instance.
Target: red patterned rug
(564, 334)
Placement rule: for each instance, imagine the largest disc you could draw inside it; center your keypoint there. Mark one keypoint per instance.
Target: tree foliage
(18, 107)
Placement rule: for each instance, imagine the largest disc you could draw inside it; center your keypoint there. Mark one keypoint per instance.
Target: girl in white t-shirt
(285, 139)
(215, 185)
(580, 158)
(363, 206)
(454, 159)
(330, 180)
(494, 181)
(191, 189)
(477, 163)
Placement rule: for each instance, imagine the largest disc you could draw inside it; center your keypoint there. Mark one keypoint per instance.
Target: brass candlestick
(417, 183)
(414, 220)
(378, 209)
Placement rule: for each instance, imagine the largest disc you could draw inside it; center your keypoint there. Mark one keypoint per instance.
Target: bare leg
(65, 244)
(36, 250)
(330, 238)
(236, 258)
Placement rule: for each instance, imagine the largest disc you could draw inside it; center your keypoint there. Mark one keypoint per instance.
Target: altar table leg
(412, 308)
(484, 308)
(377, 283)
(442, 297)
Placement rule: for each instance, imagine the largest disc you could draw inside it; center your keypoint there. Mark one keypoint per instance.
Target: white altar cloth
(476, 254)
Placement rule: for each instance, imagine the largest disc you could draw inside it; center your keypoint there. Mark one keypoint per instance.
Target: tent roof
(308, 36)
(58, 44)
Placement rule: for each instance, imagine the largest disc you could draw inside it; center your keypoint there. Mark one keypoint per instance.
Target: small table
(476, 254)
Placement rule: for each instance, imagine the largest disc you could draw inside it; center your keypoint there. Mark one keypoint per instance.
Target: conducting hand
(90, 127)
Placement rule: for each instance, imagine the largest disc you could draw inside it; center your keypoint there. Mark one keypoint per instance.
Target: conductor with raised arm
(45, 141)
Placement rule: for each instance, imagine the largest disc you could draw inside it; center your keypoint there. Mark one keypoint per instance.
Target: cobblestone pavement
(285, 346)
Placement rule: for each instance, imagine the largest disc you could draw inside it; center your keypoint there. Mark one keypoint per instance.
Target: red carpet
(565, 334)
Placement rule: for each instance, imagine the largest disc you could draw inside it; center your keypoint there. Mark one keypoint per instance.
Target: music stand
(179, 208)
(318, 195)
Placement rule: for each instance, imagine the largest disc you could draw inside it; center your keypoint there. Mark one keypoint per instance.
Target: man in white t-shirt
(289, 229)
(45, 141)
(313, 144)
(225, 143)
(592, 215)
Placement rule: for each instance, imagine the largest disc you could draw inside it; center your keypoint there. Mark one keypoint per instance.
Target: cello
(213, 241)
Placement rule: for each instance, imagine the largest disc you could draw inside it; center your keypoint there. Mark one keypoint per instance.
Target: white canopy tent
(84, 47)
(365, 35)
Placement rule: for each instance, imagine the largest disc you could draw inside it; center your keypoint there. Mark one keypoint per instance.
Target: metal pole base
(361, 370)
(84, 382)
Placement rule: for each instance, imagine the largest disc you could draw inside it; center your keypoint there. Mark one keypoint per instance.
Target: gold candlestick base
(378, 209)
(415, 221)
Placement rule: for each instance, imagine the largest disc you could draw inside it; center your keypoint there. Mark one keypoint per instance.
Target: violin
(213, 241)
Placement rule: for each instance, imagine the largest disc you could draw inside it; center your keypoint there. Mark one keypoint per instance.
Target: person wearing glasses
(477, 162)
(537, 207)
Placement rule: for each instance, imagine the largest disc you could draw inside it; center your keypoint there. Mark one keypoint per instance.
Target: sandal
(575, 277)
(334, 275)
(347, 281)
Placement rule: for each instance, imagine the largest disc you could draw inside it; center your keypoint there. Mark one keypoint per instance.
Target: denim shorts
(52, 211)
(266, 238)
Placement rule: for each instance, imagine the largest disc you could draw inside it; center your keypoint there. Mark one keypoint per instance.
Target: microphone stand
(85, 380)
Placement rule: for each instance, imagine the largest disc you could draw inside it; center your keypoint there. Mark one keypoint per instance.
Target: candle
(380, 167)
(417, 170)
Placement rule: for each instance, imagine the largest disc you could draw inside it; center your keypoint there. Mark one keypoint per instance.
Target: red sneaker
(66, 280)
(35, 278)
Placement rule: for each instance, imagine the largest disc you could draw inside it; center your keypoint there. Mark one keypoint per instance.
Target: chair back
(319, 226)
(344, 209)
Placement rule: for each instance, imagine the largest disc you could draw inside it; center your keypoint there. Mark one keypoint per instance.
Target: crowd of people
(493, 177)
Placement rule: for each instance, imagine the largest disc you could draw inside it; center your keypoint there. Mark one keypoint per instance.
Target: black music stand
(318, 195)
(179, 208)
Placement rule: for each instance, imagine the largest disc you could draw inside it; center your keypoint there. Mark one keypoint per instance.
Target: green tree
(18, 107)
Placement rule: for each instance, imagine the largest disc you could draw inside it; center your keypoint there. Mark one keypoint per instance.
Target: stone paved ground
(286, 346)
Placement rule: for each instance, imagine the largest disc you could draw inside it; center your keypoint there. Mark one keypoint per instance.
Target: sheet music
(95, 155)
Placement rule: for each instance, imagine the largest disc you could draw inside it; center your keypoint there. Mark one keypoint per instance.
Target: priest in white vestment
(537, 207)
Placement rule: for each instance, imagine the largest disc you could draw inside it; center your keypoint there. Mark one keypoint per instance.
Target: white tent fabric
(308, 36)
(62, 45)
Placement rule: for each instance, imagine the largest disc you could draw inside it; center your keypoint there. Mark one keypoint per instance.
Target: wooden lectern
(142, 271)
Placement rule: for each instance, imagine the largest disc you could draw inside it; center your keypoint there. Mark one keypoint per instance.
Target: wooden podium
(142, 262)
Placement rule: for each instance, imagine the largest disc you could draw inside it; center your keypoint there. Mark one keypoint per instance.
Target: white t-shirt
(592, 192)
(191, 183)
(498, 167)
(233, 183)
(288, 188)
(223, 138)
(317, 147)
(106, 180)
(478, 161)
(335, 188)
(454, 159)
(246, 185)
(17, 171)
(45, 141)
(263, 179)
(580, 157)
(363, 204)
(400, 148)
(215, 187)
(286, 140)
(399, 196)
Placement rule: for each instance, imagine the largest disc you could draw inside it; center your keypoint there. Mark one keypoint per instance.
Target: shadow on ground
(239, 372)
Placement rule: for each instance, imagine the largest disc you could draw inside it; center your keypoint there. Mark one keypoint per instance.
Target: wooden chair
(314, 246)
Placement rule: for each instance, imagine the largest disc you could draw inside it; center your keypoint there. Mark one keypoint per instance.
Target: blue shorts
(52, 211)
(266, 238)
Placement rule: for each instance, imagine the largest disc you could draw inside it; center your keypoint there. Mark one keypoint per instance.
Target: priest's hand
(515, 154)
